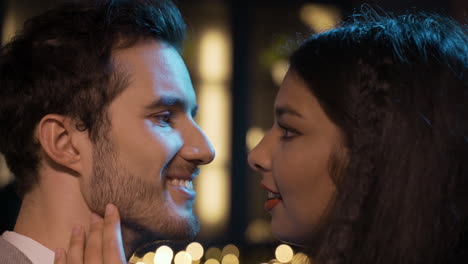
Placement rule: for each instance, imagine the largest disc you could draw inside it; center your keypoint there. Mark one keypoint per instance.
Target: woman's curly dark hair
(61, 63)
(397, 88)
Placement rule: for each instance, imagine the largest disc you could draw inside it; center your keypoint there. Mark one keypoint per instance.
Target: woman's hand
(103, 244)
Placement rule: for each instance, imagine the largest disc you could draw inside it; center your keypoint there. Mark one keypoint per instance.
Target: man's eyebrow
(286, 110)
(165, 101)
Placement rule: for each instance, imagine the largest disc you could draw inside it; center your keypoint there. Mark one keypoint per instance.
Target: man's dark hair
(397, 88)
(61, 63)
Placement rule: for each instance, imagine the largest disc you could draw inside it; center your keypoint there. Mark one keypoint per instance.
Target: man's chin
(137, 237)
(179, 228)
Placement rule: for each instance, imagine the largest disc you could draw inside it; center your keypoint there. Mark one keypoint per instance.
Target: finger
(60, 257)
(76, 247)
(113, 251)
(93, 248)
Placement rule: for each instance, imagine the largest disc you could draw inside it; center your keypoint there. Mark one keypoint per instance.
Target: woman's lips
(271, 203)
(274, 198)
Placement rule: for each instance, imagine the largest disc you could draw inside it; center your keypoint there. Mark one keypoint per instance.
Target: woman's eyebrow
(286, 110)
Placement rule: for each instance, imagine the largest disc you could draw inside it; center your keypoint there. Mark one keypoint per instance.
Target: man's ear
(55, 134)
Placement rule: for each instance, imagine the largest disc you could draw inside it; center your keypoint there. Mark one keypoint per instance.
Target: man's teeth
(182, 183)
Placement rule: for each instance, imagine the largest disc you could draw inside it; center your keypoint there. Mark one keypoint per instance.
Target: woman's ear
(55, 135)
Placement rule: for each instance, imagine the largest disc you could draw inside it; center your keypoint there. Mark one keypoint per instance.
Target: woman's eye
(162, 119)
(287, 133)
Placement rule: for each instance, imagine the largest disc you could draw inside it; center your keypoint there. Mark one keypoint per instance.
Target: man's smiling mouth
(180, 181)
(188, 184)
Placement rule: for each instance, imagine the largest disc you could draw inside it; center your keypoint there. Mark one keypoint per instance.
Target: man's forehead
(156, 70)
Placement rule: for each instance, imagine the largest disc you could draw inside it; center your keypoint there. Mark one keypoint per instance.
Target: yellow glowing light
(163, 255)
(148, 258)
(182, 258)
(213, 253)
(195, 250)
(214, 118)
(230, 259)
(215, 56)
(320, 17)
(279, 70)
(230, 249)
(213, 196)
(254, 135)
(139, 262)
(212, 185)
(259, 231)
(301, 258)
(212, 261)
(134, 259)
(284, 253)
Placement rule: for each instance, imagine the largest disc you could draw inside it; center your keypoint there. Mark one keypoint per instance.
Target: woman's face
(295, 159)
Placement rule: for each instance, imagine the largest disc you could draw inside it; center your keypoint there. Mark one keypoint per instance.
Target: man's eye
(162, 119)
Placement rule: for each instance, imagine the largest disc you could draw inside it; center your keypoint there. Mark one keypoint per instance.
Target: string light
(213, 253)
(148, 258)
(182, 258)
(230, 249)
(230, 259)
(301, 258)
(284, 253)
(163, 255)
(195, 250)
(212, 261)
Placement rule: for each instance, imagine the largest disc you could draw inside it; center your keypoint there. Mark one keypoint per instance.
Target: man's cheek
(172, 142)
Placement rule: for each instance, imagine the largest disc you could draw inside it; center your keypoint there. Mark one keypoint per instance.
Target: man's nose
(259, 158)
(197, 147)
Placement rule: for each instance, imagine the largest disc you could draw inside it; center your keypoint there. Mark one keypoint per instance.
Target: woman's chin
(289, 238)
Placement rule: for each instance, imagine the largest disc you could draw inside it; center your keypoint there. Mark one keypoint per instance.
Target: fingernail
(58, 254)
(95, 218)
(110, 209)
(76, 230)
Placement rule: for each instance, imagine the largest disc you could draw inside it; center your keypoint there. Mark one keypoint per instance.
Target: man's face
(147, 160)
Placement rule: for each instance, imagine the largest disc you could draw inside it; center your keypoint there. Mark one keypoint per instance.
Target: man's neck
(50, 211)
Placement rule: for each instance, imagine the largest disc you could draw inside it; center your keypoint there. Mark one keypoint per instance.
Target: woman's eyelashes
(287, 133)
(163, 119)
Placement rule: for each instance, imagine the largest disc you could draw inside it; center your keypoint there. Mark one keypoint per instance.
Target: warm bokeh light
(195, 250)
(134, 259)
(279, 70)
(284, 253)
(213, 197)
(182, 258)
(163, 255)
(300, 258)
(230, 259)
(320, 17)
(212, 261)
(259, 231)
(213, 253)
(148, 258)
(254, 135)
(214, 118)
(215, 56)
(231, 249)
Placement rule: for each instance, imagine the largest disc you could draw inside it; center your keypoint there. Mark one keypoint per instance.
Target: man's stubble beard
(144, 211)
